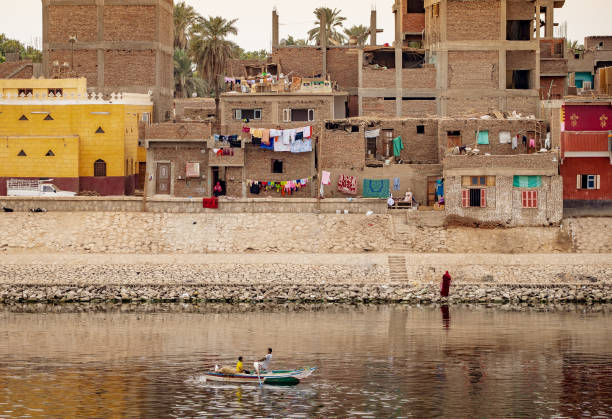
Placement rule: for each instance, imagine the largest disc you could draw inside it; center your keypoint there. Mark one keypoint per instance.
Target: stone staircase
(397, 268)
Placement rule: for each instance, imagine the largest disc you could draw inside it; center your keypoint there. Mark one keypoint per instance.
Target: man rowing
(264, 363)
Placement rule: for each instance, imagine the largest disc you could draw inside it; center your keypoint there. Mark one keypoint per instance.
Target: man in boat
(240, 368)
(264, 363)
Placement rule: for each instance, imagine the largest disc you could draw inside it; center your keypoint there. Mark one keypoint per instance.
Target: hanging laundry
(505, 137)
(246, 130)
(307, 132)
(299, 135)
(302, 146)
(288, 136)
(255, 189)
(267, 146)
(325, 177)
(347, 184)
(396, 184)
(257, 132)
(276, 132)
(532, 143)
(280, 146)
(265, 136)
(376, 188)
(547, 142)
(525, 140)
(372, 133)
(210, 203)
(398, 146)
(515, 142)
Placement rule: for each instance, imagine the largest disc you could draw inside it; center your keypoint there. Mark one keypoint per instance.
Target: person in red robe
(445, 285)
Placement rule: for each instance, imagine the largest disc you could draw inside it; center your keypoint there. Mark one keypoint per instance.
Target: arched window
(99, 168)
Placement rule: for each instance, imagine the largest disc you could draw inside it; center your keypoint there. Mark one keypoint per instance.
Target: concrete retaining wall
(194, 205)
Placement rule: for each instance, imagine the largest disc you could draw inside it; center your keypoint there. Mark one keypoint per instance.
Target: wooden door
(431, 190)
(163, 179)
(142, 173)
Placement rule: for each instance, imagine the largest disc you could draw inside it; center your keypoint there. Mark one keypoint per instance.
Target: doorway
(142, 173)
(162, 186)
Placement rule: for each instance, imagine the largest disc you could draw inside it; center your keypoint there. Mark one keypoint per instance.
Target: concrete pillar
(275, 41)
(398, 59)
(100, 51)
(502, 102)
(323, 43)
(537, 6)
(550, 21)
(360, 80)
(373, 30)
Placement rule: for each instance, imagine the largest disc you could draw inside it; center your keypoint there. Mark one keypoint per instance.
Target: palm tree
(183, 70)
(334, 23)
(574, 47)
(291, 41)
(184, 18)
(210, 50)
(359, 32)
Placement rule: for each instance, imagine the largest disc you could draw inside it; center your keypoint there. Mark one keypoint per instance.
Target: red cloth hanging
(211, 202)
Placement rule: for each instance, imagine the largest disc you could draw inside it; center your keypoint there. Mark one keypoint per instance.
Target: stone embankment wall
(128, 233)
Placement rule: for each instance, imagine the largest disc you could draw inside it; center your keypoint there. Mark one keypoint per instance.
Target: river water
(374, 361)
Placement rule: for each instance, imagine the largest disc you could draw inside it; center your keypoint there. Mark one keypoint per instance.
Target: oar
(259, 378)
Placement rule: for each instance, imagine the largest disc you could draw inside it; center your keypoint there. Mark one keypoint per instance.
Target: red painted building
(586, 152)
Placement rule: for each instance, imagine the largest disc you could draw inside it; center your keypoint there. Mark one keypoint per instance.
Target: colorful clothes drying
(376, 188)
(347, 184)
(398, 146)
(210, 203)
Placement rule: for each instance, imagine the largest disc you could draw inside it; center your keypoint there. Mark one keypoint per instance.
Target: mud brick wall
(554, 66)
(183, 131)
(473, 69)
(67, 20)
(469, 127)
(519, 10)
(463, 106)
(9, 69)
(413, 22)
(378, 78)
(520, 60)
(342, 149)
(378, 106)
(525, 105)
(85, 63)
(419, 108)
(233, 181)
(418, 148)
(179, 155)
(553, 85)
(295, 166)
(119, 23)
(415, 78)
(308, 61)
(473, 20)
(124, 68)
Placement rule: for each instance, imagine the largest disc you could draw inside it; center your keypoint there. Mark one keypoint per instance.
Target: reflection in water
(375, 361)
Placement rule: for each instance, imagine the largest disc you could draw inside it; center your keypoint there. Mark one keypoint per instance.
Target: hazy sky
(22, 19)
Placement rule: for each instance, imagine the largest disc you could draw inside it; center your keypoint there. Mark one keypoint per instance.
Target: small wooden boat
(281, 378)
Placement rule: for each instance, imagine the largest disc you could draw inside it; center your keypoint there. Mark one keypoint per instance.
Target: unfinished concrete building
(119, 46)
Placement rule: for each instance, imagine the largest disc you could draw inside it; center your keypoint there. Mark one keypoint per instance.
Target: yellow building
(51, 128)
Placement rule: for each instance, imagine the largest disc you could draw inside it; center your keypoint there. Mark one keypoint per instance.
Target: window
(22, 154)
(371, 146)
(50, 153)
(483, 137)
(99, 168)
(99, 130)
(23, 118)
(24, 92)
(277, 166)
(388, 143)
(477, 181)
(518, 30)
(588, 182)
(453, 139)
(475, 198)
(416, 6)
(48, 118)
(435, 10)
(576, 56)
(55, 92)
(518, 79)
(146, 118)
(420, 129)
(247, 114)
(527, 181)
(530, 199)
(298, 115)
(354, 128)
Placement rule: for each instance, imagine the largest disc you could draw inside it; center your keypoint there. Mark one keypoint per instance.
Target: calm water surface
(375, 361)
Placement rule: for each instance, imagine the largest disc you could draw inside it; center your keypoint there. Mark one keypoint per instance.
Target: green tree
(210, 50)
(8, 45)
(186, 81)
(574, 47)
(359, 32)
(290, 41)
(334, 24)
(184, 18)
(261, 54)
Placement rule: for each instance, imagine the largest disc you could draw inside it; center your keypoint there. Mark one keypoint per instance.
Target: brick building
(119, 46)
(586, 152)
(583, 65)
